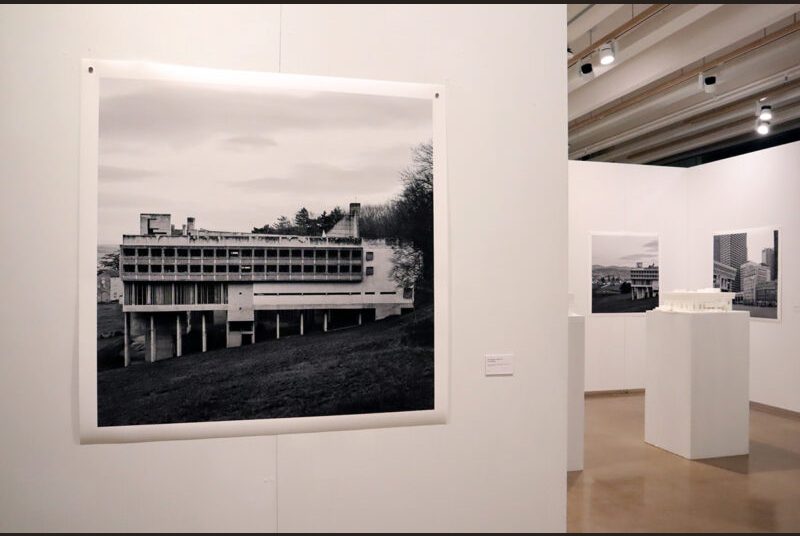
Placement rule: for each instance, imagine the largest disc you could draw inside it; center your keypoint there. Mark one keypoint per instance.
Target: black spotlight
(586, 70)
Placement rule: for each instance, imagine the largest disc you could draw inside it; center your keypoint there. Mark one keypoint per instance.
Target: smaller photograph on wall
(624, 273)
(746, 262)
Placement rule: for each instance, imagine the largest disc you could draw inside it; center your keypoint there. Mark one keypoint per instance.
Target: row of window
(212, 293)
(245, 269)
(406, 293)
(227, 253)
(175, 294)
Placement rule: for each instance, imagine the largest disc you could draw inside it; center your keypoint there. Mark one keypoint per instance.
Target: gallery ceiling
(649, 106)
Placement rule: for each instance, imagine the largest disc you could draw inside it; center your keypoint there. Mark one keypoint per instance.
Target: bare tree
(407, 265)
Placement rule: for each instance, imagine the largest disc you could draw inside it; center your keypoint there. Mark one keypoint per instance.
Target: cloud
(652, 245)
(248, 142)
(314, 178)
(184, 114)
(638, 256)
(122, 174)
(143, 202)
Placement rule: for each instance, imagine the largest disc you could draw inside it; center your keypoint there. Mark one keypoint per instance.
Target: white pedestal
(575, 392)
(697, 402)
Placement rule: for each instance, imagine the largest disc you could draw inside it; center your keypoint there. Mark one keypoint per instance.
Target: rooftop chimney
(190, 226)
(355, 210)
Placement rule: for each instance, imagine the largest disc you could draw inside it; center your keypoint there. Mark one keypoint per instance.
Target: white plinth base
(697, 400)
(575, 392)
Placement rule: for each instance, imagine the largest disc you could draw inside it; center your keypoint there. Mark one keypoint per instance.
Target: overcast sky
(236, 158)
(624, 250)
(757, 241)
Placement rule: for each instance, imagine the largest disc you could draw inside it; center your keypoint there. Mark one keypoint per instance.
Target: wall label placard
(499, 364)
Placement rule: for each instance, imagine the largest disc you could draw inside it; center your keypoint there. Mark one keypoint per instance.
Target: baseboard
(614, 392)
(765, 408)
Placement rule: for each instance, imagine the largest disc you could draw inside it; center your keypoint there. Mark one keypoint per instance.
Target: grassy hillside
(379, 367)
(622, 303)
(109, 335)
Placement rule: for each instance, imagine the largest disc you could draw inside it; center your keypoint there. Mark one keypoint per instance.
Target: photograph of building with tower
(747, 263)
(624, 273)
(300, 284)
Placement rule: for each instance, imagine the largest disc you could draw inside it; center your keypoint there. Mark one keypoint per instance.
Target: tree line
(304, 223)
(408, 217)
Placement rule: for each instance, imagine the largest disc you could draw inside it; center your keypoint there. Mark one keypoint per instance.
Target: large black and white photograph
(746, 263)
(263, 252)
(624, 273)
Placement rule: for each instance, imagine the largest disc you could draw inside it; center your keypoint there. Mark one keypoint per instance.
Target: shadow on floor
(763, 457)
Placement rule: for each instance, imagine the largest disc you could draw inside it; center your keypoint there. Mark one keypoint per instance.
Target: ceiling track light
(762, 127)
(707, 82)
(764, 112)
(608, 53)
(585, 69)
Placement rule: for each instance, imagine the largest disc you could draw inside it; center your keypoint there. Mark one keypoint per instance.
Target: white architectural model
(696, 301)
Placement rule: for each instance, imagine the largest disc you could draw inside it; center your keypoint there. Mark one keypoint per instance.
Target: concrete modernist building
(724, 276)
(751, 275)
(181, 286)
(644, 281)
(731, 249)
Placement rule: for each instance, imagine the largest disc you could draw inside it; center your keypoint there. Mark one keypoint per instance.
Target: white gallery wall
(758, 189)
(622, 198)
(685, 207)
(498, 463)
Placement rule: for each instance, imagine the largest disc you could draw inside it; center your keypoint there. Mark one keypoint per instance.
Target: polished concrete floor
(629, 486)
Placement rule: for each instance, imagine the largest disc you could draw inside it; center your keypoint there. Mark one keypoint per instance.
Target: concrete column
(173, 294)
(325, 321)
(227, 332)
(152, 338)
(126, 338)
(302, 316)
(178, 336)
(203, 318)
(149, 297)
(277, 325)
(188, 321)
(359, 318)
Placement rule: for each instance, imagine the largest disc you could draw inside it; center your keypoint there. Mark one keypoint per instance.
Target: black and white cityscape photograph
(624, 273)
(746, 263)
(262, 253)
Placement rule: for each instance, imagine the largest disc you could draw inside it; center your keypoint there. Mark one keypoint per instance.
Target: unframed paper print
(263, 253)
(624, 273)
(746, 263)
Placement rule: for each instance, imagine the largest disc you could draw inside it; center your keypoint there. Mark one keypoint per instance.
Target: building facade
(182, 286)
(768, 259)
(767, 293)
(724, 277)
(752, 274)
(644, 281)
(731, 250)
(774, 267)
(109, 287)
